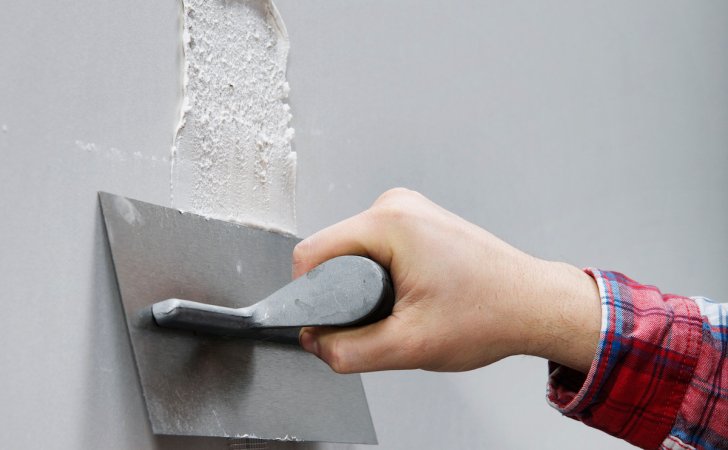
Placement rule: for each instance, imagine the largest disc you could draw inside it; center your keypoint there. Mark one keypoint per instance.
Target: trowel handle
(381, 285)
(343, 291)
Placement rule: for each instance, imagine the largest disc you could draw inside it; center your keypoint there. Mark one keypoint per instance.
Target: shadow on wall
(112, 420)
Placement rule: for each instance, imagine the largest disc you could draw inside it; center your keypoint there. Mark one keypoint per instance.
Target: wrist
(565, 323)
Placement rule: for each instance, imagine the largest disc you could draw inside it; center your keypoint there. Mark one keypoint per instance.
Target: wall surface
(591, 133)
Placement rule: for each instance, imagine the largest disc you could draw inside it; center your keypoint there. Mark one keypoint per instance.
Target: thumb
(379, 346)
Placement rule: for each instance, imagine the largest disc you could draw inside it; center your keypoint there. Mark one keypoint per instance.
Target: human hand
(464, 298)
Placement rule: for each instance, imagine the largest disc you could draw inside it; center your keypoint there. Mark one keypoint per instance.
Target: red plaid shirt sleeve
(660, 375)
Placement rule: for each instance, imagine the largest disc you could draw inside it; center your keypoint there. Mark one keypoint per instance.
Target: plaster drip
(232, 157)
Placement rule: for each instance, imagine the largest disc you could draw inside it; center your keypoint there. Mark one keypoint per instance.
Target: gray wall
(592, 133)
(84, 85)
(589, 132)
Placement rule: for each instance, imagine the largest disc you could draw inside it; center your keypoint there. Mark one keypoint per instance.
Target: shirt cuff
(645, 359)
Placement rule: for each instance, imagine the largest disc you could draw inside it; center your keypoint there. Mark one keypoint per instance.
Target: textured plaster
(232, 156)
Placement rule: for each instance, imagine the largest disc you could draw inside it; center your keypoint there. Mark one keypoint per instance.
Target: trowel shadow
(115, 416)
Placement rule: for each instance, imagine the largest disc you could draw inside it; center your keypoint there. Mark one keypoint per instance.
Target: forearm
(565, 315)
(657, 372)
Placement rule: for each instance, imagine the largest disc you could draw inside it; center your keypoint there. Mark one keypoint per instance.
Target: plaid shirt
(660, 375)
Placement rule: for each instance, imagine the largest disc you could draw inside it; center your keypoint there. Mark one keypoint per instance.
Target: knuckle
(393, 211)
(398, 193)
(336, 359)
(301, 252)
(396, 205)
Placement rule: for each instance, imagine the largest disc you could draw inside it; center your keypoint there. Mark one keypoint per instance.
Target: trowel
(213, 320)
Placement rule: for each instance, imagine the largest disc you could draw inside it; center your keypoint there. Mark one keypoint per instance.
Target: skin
(464, 298)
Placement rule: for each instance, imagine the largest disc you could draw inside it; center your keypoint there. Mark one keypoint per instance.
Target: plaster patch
(232, 157)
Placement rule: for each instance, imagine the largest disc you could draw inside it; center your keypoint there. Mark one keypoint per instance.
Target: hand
(464, 298)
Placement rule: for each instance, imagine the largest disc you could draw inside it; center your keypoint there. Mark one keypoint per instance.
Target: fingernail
(309, 342)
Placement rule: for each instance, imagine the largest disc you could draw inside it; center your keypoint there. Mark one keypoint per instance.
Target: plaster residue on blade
(232, 158)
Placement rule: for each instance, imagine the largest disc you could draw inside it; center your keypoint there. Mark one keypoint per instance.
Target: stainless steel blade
(201, 385)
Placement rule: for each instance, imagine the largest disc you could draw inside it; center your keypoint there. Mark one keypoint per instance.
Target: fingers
(358, 235)
(379, 346)
(375, 233)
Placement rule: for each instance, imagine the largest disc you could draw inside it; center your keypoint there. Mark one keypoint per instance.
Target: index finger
(359, 235)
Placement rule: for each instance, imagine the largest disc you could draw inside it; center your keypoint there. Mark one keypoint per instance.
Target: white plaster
(232, 156)
(86, 146)
(116, 154)
(128, 211)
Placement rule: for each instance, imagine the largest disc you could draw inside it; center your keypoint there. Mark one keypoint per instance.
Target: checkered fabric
(660, 375)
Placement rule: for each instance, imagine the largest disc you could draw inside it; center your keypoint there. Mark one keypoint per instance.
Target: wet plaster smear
(232, 157)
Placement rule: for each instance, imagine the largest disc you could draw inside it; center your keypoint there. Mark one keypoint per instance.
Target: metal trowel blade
(206, 385)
